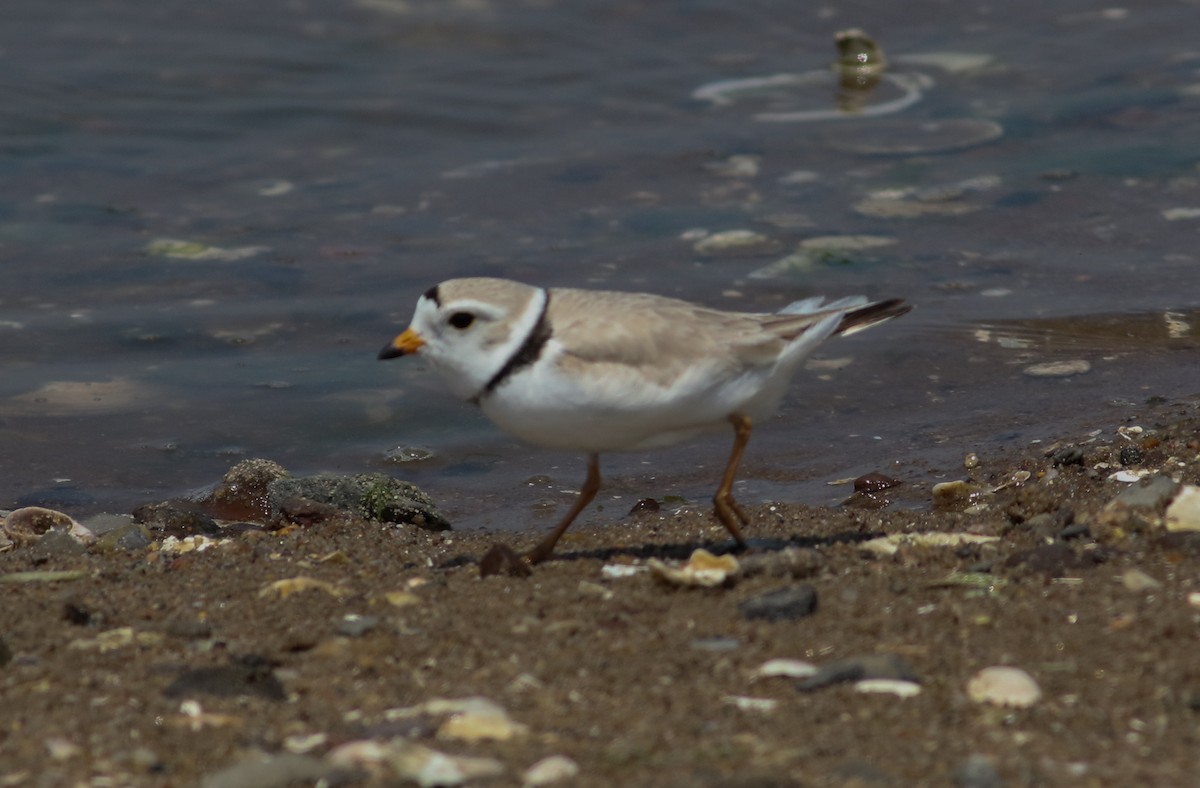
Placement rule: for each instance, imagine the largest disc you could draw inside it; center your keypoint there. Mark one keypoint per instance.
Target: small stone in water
(645, 505)
(1058, 369)
(408, 454)
(873, 482)
(735, 243)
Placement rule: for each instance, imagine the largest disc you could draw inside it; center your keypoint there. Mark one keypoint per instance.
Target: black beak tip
(390, 351)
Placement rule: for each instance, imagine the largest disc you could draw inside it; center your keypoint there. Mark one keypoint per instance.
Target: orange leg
(728, 511)
(591, 485)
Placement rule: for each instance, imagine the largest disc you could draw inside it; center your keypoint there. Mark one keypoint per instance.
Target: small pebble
(1004, 686)
(785, 668)
(784, 604)
(353, 625)
(1136, 580)
(551, 769)
(1058, 369)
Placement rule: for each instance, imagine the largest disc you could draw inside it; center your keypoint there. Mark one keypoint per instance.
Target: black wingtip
(864, 317)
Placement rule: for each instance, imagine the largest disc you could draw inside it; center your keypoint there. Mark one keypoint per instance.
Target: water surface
(214, 214)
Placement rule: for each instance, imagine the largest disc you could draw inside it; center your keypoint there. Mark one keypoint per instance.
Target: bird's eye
(461, 320)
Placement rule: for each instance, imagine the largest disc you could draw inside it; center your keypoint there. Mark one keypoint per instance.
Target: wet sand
(159, 668)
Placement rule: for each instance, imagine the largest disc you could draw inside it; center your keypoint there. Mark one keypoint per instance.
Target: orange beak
(406, 344)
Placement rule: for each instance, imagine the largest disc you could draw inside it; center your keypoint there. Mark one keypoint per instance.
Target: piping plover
(598, 371)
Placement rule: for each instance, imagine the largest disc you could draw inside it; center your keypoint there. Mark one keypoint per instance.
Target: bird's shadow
(682, 550)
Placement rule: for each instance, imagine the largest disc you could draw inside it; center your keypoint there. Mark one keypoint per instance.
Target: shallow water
(215, 214)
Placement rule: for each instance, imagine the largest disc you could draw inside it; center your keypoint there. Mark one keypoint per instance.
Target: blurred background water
(214, 214)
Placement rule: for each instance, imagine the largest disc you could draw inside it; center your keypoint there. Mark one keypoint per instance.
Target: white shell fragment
(898, 687)
(785, 668)
(1004, 686)
(1129, 476)
(889, 545)
(1136, 580)
(188, 544)
(414, 762)
(467, 719)
(703, 570)
(617, 571)
(551, 769)
(1184, 512)
(746, 703)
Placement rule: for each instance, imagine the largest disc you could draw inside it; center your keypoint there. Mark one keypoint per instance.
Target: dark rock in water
(503, 560)
(785, 604)
(872, 666)
(6, 654)
(188, 629)
(374, 496)
(875, 481)
(243, 493)
(645, 505)
(250, 675)
(306, 511)
(868, 491)
(175, 518)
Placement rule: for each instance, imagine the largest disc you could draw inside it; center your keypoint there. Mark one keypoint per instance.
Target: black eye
(461, 320)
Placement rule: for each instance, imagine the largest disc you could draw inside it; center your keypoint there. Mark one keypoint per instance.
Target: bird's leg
(591, 485)
(728, 512)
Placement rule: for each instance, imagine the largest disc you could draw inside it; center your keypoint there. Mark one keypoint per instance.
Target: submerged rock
(175, 518)
(244, 489)
(374, 496)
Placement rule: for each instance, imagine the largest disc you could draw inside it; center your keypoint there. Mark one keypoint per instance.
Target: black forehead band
(432, 295)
